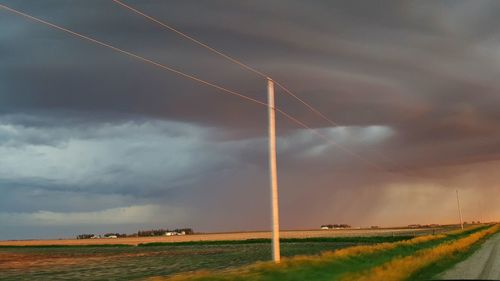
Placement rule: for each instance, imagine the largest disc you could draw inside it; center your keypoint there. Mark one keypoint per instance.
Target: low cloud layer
(135, 215)
(91, 139)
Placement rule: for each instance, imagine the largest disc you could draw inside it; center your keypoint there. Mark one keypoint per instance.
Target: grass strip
(347, 239)
(329, 265)
(404, 268)
(430, 272)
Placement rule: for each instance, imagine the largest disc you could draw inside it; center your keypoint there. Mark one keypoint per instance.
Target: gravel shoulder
(483, 264)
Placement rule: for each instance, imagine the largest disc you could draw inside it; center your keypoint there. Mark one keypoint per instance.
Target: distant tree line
(85, 236)
(336, 226)
(107, 235)
(161, 232)
(140, 233)
(152, 232)
(118, 235)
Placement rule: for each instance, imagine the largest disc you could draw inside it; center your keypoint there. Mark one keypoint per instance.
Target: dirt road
(483, 264)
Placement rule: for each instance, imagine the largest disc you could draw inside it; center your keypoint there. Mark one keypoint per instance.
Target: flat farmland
(298, 234)
(137, 263)
(135, 259)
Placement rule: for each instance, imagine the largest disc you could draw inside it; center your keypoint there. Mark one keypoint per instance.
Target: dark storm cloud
(88, 132)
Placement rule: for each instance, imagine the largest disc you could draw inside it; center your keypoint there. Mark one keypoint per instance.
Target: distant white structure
(173, 233)
(335, 226)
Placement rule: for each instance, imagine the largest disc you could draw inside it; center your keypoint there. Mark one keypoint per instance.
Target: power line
(240, 63)
(325, 137)
(307, 105)
(220, 53)
(191, 39)
(164, 67)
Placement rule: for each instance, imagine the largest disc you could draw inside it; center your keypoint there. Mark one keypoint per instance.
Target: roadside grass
(433, 270)
(423, 263)
(330, 265)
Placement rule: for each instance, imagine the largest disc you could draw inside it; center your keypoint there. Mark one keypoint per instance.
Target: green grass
(431, 272)
(136, 263)
(119, 262)
(354, 239)
(332, 269)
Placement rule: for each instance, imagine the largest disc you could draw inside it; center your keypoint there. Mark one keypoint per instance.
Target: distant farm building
(414, 226)
(174, 233)
(335, 226)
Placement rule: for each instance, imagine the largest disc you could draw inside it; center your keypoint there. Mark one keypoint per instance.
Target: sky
(93, 141)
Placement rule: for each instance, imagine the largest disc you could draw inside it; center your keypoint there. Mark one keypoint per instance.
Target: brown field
(138, 263)
(31, 260)
(228, 236)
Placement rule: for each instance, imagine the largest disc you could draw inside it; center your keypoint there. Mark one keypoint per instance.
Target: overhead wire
(191, 77)
(143, 59)
(230, 58)
(325, 137)
(240, 63)
(263, 75)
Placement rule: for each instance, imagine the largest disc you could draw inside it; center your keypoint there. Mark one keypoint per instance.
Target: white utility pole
(273, 177)
(460, 212)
